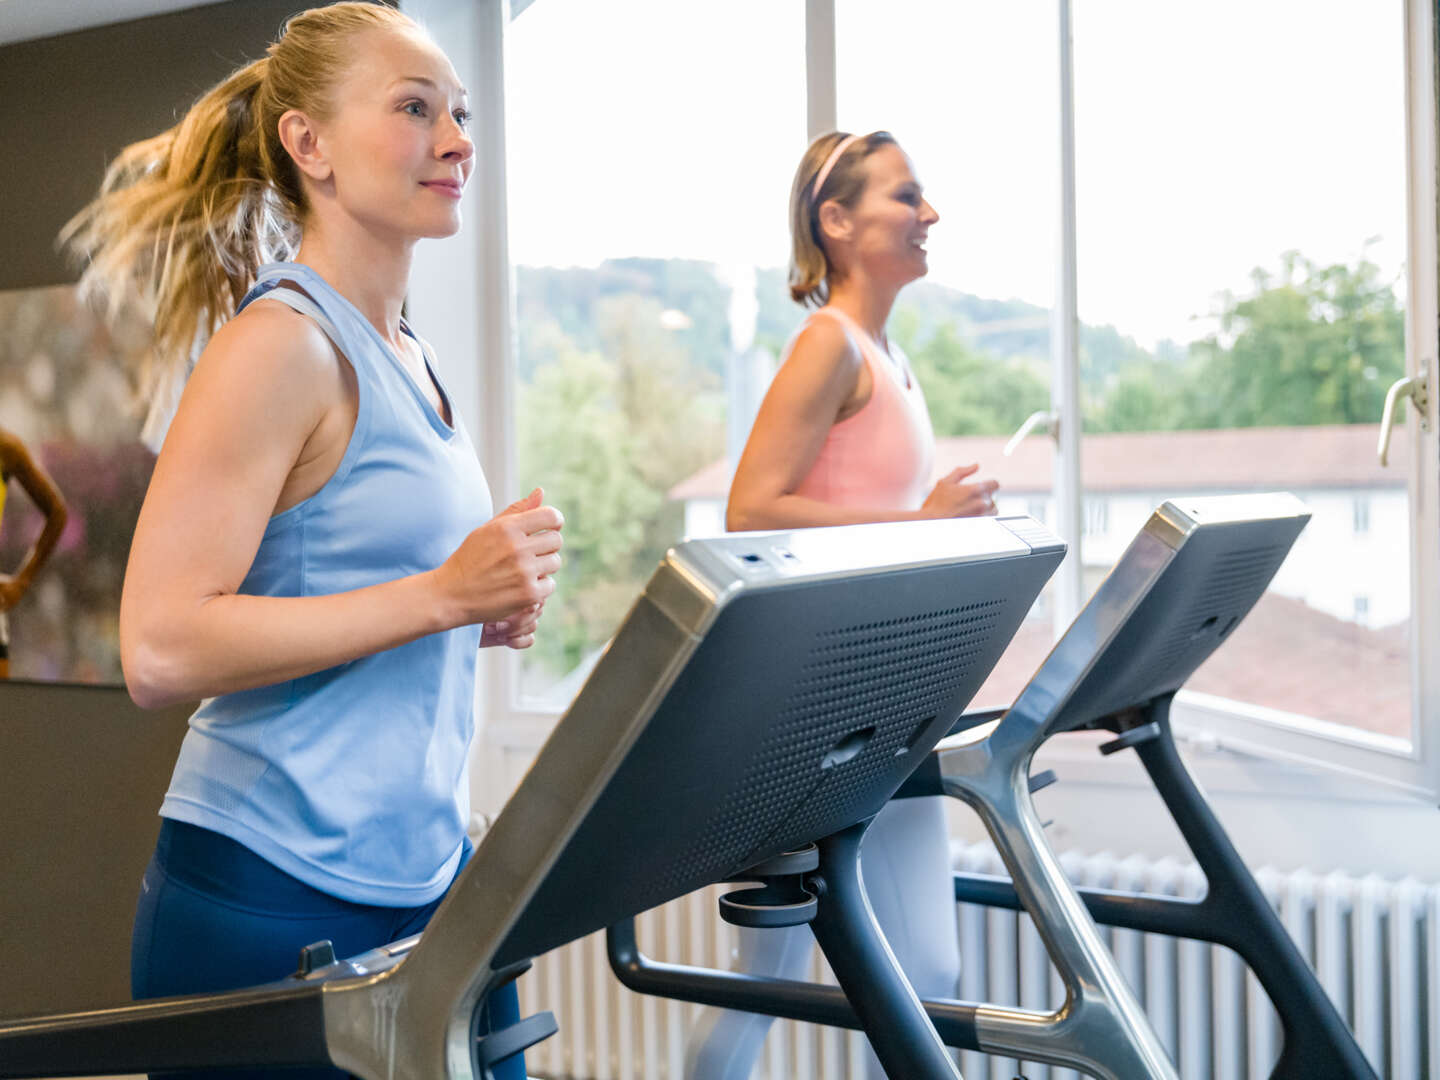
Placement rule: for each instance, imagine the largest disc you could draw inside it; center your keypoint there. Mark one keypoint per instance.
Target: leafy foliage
(1319, 346)
(607, 432)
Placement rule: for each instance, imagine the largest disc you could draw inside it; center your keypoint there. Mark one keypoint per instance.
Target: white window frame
(1252, 731)
(1221, 730)
(462, 295)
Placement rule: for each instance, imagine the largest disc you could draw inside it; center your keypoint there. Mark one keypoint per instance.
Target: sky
(1210, 137)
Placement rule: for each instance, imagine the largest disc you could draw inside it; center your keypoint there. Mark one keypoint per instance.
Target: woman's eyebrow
(431, 83)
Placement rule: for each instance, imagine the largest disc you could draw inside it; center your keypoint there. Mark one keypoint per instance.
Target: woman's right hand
(952, 497)
(505, 566)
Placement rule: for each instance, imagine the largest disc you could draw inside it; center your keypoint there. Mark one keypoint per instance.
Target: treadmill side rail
(281, 1025)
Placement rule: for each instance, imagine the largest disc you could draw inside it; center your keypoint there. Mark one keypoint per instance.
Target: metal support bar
(1133, 911)
(1317, 1040)
(1233, 913)
(1102, 1028)
(788, 999)
(902, 1036)
(492, 1049)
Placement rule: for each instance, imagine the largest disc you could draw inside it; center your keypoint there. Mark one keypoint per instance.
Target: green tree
(970, 392)
(1318, 346)
(1146, 396)
(607, 432)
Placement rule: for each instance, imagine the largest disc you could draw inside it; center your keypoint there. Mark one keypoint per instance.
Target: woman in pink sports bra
(843, 437)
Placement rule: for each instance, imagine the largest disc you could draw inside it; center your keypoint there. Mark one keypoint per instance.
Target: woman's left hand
(515, 632)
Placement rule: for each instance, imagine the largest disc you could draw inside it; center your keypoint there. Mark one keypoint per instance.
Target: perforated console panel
(801, 711)
(1190, 576)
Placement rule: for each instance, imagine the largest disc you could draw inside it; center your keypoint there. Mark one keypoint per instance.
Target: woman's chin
(439, 230)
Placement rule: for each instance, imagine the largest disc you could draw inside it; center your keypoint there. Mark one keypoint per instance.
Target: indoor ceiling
(21, 20)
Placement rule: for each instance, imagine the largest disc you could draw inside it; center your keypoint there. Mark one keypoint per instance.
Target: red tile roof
(1285, 655)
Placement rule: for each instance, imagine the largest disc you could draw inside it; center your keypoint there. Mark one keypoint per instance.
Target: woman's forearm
(172, 653)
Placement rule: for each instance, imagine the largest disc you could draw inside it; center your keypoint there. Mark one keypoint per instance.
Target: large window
(1241, 225)
(1254, 204)
(651, 151)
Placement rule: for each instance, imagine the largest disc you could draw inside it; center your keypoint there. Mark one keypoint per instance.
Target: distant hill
(565, 298)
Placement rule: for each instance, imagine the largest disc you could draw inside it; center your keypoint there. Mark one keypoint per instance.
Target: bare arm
(817, 385)
(821, 382)
(46, 496)
(257, 395)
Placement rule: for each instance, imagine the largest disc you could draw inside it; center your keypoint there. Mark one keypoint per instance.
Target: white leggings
(905, 864)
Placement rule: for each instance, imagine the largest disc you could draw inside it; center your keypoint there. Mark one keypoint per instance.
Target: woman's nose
(457, 146)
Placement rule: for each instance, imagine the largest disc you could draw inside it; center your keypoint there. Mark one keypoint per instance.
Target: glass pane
(971, 93)
(1241, 226)
(648, 233)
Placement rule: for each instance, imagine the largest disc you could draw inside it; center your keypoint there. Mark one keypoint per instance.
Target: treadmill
(763, 699)
(1192, 573)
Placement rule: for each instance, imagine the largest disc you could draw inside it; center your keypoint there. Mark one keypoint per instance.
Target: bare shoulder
(824, 364)
(269, 369)
(823, 343)
(272, 341)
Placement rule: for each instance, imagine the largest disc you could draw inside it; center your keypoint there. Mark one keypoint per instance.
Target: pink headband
(824, 173)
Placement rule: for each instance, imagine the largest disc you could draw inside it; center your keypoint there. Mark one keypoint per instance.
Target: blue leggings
(215, 916)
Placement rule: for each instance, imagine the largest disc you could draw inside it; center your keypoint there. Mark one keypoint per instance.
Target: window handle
(1414, 388)
(1041, 420)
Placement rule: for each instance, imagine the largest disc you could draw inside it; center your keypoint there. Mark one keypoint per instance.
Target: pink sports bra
(881, 457)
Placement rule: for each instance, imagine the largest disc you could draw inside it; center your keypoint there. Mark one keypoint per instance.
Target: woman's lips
(451, 188)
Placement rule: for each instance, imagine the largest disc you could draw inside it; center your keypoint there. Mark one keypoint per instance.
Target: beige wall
(82, 772)
(71, 102)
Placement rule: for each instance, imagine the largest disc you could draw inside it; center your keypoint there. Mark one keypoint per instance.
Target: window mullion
(494, 302)
(1065, 356)
(1422, 352)
(820, 94)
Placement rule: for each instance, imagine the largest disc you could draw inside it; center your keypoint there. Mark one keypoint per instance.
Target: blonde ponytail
(185, 219)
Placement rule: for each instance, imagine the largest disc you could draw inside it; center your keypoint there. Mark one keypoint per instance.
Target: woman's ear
(835, 221)
(302, 143)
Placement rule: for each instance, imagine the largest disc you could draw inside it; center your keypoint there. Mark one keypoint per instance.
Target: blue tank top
(354, 779)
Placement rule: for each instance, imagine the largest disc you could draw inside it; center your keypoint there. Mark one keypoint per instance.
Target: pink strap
(860, 336)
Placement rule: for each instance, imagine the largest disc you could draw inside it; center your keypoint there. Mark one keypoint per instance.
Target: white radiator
(1374, 943)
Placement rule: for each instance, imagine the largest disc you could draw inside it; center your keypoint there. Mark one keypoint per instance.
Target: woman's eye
(415, 108)
(462, 117)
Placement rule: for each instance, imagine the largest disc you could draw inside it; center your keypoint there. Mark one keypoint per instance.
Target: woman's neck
(372, 274)
(867, 302)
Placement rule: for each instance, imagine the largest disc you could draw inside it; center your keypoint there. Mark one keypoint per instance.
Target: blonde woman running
(843, 437)
(316, 556)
